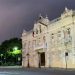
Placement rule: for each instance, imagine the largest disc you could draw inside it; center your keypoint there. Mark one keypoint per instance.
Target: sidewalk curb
(10, 66)
(54, 69)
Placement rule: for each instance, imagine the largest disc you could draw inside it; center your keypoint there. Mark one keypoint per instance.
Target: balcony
(37, 47)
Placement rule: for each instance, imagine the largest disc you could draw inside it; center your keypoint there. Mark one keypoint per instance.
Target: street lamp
(14, 51)
(28, 60)
(66, 55)
(15, 48)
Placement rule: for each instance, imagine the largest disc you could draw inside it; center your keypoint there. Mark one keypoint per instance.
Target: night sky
(16, 15)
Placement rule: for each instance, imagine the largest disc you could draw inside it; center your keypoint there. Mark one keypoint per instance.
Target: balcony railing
(39, 47)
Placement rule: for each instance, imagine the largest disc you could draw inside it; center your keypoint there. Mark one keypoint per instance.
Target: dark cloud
(16, 15)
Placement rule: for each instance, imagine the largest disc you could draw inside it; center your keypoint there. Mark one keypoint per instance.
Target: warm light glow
(16, 52)
(15, 48)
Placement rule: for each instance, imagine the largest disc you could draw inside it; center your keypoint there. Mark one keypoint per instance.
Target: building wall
(55, 38)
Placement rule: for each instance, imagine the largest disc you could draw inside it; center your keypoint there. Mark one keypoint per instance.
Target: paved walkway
(32, 71)
(38, 68)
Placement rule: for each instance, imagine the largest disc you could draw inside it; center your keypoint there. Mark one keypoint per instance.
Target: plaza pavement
(18, 70)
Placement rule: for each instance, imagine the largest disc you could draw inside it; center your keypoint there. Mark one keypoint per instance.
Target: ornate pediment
(67, 12)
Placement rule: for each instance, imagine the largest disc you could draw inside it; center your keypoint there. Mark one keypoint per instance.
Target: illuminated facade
(50, 43)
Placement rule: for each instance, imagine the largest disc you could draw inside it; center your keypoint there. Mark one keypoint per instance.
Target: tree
(6, 49)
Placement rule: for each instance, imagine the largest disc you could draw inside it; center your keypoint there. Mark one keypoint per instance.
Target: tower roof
(40, 16)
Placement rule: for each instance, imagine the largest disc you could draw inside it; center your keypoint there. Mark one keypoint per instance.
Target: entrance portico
(41, 57)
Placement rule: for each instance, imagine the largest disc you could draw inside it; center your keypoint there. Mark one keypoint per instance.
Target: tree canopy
(11, 48)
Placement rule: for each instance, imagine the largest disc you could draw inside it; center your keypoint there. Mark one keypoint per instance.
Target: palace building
(50, 43)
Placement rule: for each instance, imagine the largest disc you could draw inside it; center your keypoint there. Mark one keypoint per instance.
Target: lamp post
(66, 52)
(28, 60)
(14, 50)
(66, 55)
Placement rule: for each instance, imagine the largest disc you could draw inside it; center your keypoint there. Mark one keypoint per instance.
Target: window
(38, 41)
(34, 42)
(29, 45)
(36, 31)
(33, 34)
(68, 30)
(40, 28)
(44, 39)
(24, 45)
(67, 36)
(59, 34)
(52, 35)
